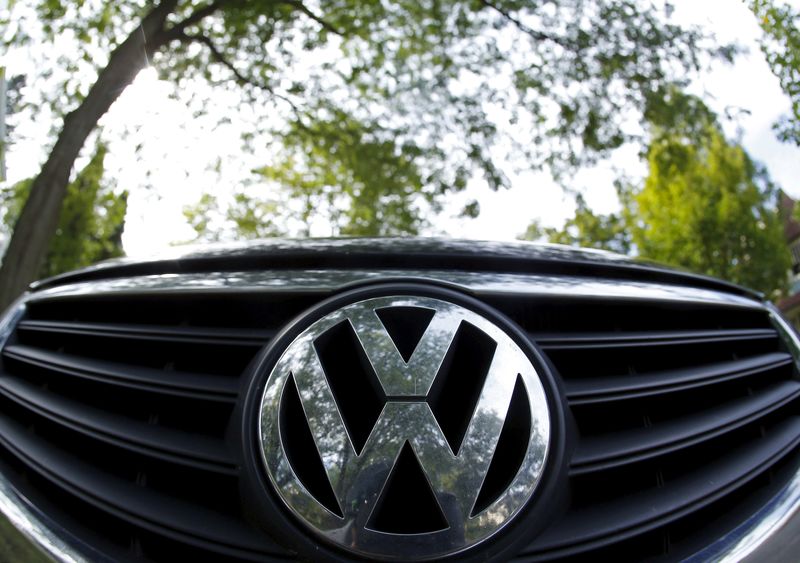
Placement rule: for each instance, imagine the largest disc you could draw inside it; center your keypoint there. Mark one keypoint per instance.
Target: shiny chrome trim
(10, 319)
(787, 332)
(533, 285)
(357, 478)
(40, 530)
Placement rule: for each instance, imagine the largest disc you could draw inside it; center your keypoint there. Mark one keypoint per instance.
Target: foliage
(708, 207)
(91, 222)
(421, 88)
(11, 86)
(367, 182)
(587, 229)
(781, 47)
(245, 218)
(14, 86)
(339, 169)
(704, 206)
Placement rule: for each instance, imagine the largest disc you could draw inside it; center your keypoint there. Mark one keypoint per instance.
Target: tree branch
(176, 31)
(151, 27)
(200, 14)
(240, 77)
(303, 8)
(538, 35)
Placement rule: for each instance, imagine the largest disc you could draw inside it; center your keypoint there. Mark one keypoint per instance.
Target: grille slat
(632, 445)
(642, 511)
(193, 335)
(126, 500)
(588, 341)
(617, 388)
(181, 447)
(197, 385)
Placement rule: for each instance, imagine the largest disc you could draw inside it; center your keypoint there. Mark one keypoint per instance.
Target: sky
(180, 148)
(748, 84)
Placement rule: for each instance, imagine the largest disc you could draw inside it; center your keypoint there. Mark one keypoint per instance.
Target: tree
(245, 218)
(423, 76)
(91, 221)
(704, 206)
(335, 169)
(587, 229)
(781, 47)
(11, 89)
(708, 207)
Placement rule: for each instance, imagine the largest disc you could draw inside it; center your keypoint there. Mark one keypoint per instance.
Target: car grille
(685, 416)
(118, 417)
(117, 413)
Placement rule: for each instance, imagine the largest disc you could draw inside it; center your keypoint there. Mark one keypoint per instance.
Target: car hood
(391, 252)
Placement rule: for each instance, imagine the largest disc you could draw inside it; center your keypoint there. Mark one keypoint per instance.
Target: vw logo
(404, 426)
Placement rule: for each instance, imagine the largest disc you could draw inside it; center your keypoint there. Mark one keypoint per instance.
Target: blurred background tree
(335, 168)
(11, 87)
(90, 224)
(415, 90)
(587, 229)
(704, 205)
(781, 47)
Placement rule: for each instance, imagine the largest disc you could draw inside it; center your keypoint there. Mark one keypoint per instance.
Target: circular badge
(404, 426)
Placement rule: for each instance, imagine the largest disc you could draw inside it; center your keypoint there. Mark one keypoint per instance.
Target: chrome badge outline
(408, 421)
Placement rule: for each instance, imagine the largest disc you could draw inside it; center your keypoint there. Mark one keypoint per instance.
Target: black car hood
(395, 253)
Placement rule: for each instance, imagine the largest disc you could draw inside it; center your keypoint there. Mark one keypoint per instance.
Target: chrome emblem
(404, 426)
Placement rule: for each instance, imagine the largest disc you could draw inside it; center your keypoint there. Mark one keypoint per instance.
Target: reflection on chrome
(357, 479)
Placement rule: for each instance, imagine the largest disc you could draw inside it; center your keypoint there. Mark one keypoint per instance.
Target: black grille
(116, 415)
(686, 418)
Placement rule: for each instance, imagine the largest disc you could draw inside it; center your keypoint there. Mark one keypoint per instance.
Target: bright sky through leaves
(180, 151)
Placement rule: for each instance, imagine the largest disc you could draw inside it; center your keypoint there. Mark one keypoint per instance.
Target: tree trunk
(38, 221)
